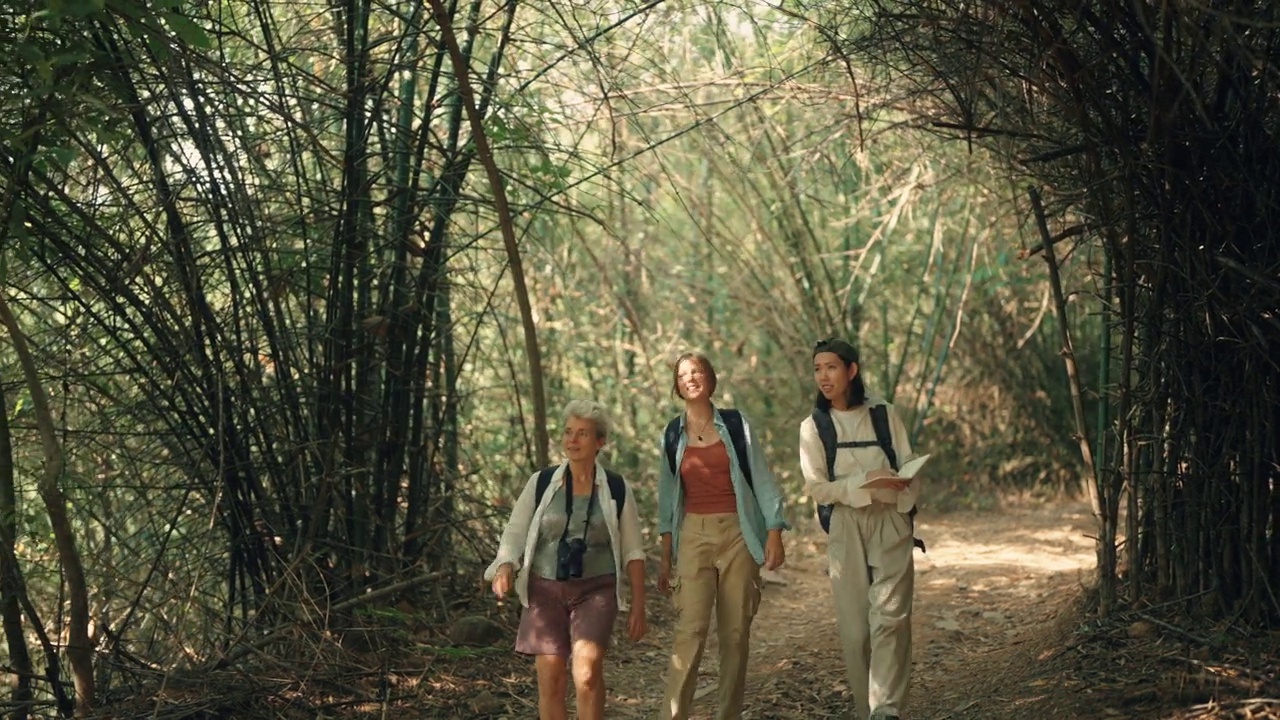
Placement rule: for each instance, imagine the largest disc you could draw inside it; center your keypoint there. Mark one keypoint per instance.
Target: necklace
(701, 429)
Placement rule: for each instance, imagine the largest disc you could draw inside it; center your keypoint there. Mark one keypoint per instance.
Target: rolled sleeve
(822, 492)
(516, 533)
(840, 492)
(768, 494)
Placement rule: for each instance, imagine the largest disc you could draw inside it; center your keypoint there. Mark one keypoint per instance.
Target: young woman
(871, 564)
(722, 521)
(567, 547)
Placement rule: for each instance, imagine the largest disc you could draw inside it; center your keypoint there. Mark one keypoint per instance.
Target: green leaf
(127, 8)
(74, 8)
(157, 46)
(61, 155)
(187, 30)
(29, 52)
(18, 220)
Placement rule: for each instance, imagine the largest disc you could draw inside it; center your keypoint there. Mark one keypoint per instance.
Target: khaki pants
(872, 579)
(713, 567)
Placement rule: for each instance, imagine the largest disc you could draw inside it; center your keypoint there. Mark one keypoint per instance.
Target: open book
(906, 471)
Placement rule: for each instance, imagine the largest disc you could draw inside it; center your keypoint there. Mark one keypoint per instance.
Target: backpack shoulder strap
(826, 428)
(738, 435)
(671, 442)
(884, 437)
(544, 481)
(618, 489)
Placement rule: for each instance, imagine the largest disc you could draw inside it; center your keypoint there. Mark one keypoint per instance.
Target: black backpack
(884, 439)
(737, 435)
(617, 488)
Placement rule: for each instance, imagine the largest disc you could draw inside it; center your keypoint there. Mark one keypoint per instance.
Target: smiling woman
(569, 533)
(721, 513)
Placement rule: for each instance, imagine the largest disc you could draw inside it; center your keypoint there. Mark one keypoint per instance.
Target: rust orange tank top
(708, 486)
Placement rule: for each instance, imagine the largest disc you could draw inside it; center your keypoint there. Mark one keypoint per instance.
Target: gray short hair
(589, 410)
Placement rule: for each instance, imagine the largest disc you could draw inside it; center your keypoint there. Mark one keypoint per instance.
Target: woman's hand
(636, 626)
(502, 581)
(774, 553)
(664, 578)
(892, 481)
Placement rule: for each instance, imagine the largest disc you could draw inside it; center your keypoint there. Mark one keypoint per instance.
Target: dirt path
(992, 584)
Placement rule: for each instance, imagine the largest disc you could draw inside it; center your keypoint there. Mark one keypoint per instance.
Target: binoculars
(569, 558)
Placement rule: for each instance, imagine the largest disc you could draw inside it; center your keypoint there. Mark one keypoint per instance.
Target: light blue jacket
(758, 512)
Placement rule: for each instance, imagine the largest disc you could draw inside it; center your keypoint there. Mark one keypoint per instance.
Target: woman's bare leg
(552, 683)
(588, 679)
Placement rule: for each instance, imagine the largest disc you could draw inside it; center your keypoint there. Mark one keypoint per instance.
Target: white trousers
(872, 579)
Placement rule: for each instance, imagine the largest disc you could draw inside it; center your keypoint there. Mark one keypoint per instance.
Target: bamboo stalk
(79, 647)
(1126, 432)
(484, 153)
(12, 585)
(1106, 523)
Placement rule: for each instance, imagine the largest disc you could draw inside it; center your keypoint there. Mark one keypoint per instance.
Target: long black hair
(856, 393)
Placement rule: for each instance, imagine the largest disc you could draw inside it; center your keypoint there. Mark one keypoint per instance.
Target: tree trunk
(79, 649)
(11, 574)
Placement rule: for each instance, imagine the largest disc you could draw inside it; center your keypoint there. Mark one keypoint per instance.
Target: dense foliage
(1151, 129)
(298, 285)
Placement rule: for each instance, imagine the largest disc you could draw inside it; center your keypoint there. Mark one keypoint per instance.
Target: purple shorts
(562, 612)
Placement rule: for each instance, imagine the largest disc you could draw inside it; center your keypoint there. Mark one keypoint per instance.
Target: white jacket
(853, 464)
(520, 537)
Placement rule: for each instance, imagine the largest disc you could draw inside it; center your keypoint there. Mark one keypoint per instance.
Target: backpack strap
(671, 441)
(738, 436)
(617, 488)
(884, 438)
(826, 428)
(544, 481)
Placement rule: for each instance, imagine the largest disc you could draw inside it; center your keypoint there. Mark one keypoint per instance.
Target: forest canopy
(295, 292)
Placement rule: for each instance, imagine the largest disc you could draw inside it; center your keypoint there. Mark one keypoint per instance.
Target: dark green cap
(844, 350)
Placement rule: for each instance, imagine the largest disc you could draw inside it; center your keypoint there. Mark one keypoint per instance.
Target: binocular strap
(568, 505)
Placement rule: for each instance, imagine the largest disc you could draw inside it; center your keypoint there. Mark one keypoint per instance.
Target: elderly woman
(572, 529)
